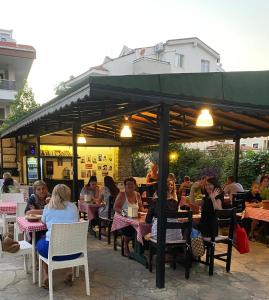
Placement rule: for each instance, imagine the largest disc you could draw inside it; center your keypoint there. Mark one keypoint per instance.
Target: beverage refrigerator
(30, 169)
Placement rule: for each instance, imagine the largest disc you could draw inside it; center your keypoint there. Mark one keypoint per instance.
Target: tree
(23, 104)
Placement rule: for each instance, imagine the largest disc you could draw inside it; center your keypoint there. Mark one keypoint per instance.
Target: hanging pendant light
(126, 131)
(81, 139)
(204, 119)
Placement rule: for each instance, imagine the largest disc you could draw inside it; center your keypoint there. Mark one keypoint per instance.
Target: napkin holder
(133, 212)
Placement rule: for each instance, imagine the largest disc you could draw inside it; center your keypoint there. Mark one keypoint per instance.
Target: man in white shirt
(232, 188)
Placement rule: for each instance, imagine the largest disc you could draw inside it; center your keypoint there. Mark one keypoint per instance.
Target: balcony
(7, 85)
(147, 65)
(7, 89)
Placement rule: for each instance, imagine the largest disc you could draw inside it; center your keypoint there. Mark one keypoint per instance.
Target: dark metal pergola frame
(155, 118)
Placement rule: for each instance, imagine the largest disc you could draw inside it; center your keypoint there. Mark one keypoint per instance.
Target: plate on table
(33, 218)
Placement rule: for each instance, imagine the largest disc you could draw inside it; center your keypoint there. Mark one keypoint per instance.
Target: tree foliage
(23, 104)
(196, 163)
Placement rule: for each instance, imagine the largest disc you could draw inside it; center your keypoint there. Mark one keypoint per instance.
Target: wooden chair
(66, 239)
(175, 245)
(223, 218)
(106, 222)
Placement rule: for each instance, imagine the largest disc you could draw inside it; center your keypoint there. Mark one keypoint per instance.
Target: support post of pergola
(75, 131)
(236, 157)
(38, 157)
(162, 194)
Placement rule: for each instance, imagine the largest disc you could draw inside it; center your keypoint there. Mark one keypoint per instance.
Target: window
(205, 65)
(179, 60)
(2, 113)
(243, 145)
(255, 145)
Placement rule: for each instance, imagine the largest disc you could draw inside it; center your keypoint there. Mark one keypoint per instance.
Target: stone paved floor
(115, 277)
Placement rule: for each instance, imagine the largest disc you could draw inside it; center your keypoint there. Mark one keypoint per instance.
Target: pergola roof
(239, 102)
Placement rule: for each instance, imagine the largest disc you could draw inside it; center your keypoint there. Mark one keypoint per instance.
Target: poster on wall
(104, 168)
(109, 168)
(93, 172)
(89, 173)
(100, 157)
(83, 173)
(99, 167)
(104, 173)
(94, 159)
(88, 166)
(104, 158)
(109, 157)
(88, 159)
(82, 159)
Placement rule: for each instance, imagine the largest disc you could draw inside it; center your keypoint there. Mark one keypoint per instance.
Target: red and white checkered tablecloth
(256, 213)
(90, 209)
(138, 223)
(27, 226)
(8, 208)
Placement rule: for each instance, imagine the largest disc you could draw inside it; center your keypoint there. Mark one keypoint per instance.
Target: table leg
(138, 253)
(33, 256)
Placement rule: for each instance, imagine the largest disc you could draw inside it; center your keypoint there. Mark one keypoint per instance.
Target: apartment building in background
(187, 55)
(15, 64)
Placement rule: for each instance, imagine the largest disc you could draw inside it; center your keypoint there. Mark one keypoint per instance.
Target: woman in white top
(128, 198)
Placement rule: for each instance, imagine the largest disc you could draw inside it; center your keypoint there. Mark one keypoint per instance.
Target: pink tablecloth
(256, 213)
(8, 208)
(90, 209)
(138, 223)
(27, 226)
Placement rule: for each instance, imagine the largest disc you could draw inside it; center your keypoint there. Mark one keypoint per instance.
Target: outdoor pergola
(161, 109)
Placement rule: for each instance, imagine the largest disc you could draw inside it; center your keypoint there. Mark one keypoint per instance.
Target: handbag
(197, 243)
(240, 240)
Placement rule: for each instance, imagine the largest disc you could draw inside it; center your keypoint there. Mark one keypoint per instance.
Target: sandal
(69, 280)
(45, 284)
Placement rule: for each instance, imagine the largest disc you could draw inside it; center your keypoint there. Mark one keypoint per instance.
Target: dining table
(26, 227)
(90, 209)
(256, 213)
(141, 229)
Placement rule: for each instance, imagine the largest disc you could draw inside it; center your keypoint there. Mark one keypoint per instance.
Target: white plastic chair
(19, 213)
(66, 239)
(12, 197)
(25, 250)
(10, 218)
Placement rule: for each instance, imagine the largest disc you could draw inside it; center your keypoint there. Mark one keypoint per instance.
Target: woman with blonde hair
(58, 210)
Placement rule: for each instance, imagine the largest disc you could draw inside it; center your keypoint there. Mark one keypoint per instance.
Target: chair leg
(77, 271)
(115, 240)
(188, 257)
(100, 229)
(25, 263)
(150, 257)
(229, 256)
(122, 246)
(109, 233)
(207, 255)
(87, 280)
(211, 259)
(50, 283)
(39, 272)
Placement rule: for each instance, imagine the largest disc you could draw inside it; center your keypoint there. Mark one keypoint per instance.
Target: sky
(72, 36)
